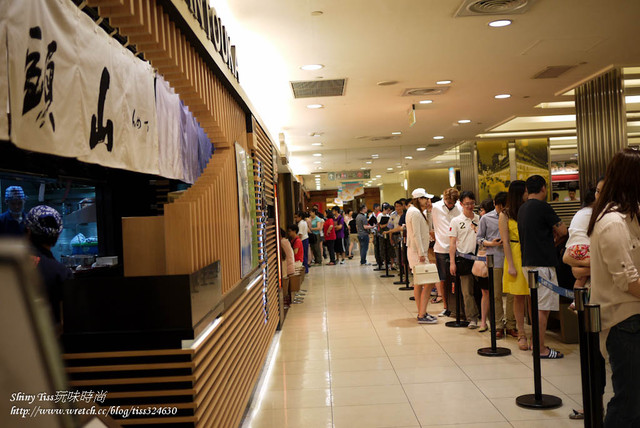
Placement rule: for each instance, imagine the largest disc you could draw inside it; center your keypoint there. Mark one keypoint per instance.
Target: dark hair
(404, 201)
(620, 192)
(375, 206)
(554, 196)
(467, 194)
(386, 206)
(282, 232)
(293, 227)
(362, 207)
(347, 210)
(514, 198)
(398, 202)
(500, 199)
(336, 209)
(589, 197)
(572, 187)
(300, 214)
(535, 183)
(487, 205)
(329, 214)
(314, 210)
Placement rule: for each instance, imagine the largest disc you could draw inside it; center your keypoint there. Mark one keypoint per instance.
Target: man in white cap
(419, 225)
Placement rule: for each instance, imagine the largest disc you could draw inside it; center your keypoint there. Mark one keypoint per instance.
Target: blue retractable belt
(555, 288)
(471, 257)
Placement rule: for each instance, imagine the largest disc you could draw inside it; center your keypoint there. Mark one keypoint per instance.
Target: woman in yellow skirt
(513, 280)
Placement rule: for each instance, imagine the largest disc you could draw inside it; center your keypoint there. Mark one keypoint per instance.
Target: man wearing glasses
(443, 212)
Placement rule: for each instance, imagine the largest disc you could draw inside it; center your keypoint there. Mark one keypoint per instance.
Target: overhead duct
(493, 7)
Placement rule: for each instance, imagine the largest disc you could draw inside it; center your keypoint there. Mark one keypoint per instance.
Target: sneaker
(341, 262)
(427, 319)
(445, 313)
(473, 324)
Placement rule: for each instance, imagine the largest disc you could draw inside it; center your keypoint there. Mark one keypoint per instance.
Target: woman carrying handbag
(418, 227)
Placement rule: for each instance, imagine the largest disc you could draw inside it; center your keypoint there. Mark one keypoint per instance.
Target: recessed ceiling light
(368, 162)
(374, 179)
(438, 161)
(438, 137)
(408, 157)
(362, 167)
(500, 23)
(426, 101)
(389, 169)
(317, 162)
(464, 121)
(311, 67)
(421, 149)
(396, 133)
(314, 106)
(378, 176)
(444, 82)
(316, 144)
(502, 96)
(397, 166)
(375, 156)
(317, 154)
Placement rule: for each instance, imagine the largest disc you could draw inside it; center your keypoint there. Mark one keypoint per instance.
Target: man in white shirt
(443, 212)
(463, 235)
(303, 234)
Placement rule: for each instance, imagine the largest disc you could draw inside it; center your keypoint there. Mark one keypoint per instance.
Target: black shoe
(412, 298)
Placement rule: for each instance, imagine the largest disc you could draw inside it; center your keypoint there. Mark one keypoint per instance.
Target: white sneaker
(473, 324)
(341, 262)
(444, 313)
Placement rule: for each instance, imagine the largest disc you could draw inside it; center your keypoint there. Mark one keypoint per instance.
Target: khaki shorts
(547, 299)
(353, 237)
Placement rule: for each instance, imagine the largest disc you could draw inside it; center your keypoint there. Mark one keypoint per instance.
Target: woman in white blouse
(418, 221)
(614, 229)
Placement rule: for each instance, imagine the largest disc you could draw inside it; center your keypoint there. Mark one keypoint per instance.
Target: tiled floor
(352, 355)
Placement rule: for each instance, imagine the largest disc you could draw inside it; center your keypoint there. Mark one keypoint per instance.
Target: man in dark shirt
(539, 227)
(362, 229)
(12, 220)
(44, 225)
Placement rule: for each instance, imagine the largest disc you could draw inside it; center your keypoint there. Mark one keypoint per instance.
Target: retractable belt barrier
(494, 350)
(471, 257)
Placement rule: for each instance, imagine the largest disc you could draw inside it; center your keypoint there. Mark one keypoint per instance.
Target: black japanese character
(99, 131)
(35, 85)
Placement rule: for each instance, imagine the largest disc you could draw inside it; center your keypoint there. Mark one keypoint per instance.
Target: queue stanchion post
(458, 323)
(537, 400)
(593, 327)
(580, 294)
(385, 255)
(401, 271)
(492, 351)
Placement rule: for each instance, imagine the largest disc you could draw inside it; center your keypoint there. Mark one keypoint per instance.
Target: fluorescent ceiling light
(314, 106)
(438, 137)
(396, 133)
(502, 96)
(557, 104)
(632, 99)
(532, 133)
(631, 83)
(316, 144)
(397, 166)
(311, 67)
(374, 179)
(564, 146)
(421, 149)
(362, 167)
(317, 154)
(426, 101)
(464, 121)
(368, 162)
(318, 175)
(500, 23)
(562, 138)
(378, 176)
(389, 169)
(408, 157)
(375, 156)
(444, 82)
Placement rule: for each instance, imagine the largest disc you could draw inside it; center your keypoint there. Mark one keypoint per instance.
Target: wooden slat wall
(212, 384)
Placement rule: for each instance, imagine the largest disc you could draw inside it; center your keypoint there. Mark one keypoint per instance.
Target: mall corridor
(352, 355)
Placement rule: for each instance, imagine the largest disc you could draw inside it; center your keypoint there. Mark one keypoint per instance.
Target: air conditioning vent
(553, 71)
(384, 138)
(419, 92)
(318, 88)
(493, 7)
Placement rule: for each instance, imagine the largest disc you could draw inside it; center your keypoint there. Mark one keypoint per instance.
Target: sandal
(483, 329)
(522, 343)
(576, 414)
(437, 299)
(552, 355)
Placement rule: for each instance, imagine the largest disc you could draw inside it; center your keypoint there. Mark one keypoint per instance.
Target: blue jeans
(305, 258)
(623, 345)
(363, 240)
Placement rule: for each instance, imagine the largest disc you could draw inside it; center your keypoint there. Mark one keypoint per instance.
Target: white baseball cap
(421, 193)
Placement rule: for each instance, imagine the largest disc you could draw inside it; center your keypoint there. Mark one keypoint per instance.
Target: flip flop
(576, 414)
(437, 299)
(483, 329)
(552, 355)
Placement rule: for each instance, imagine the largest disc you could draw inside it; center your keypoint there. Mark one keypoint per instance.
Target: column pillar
(601, 125)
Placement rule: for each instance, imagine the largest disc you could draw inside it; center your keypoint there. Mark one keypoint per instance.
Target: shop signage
(348, 175)
(216, 32)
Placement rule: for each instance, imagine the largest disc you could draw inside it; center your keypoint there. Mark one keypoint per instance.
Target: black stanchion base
(529, 401)
(456, 324)
(404, 288)
(498, 352)
(378, 269)
(387, 276)
(398, 282)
